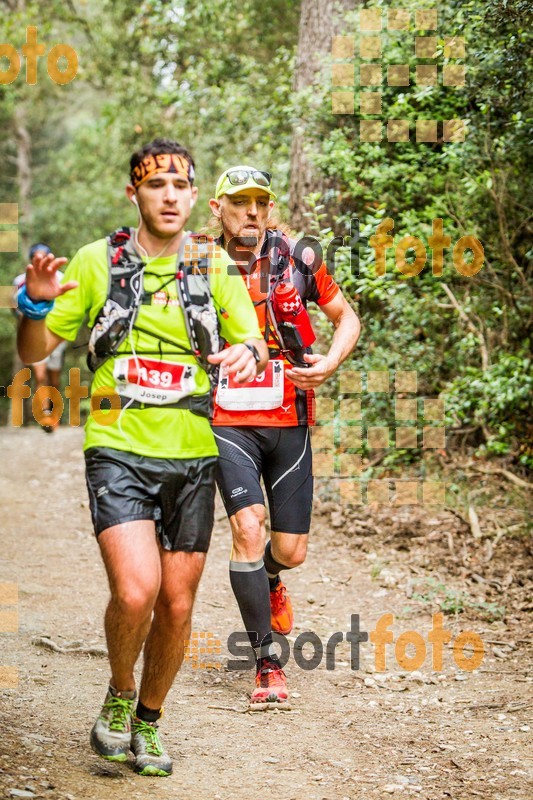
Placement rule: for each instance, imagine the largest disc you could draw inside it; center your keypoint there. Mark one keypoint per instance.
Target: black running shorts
(283, 458)
(178, 494)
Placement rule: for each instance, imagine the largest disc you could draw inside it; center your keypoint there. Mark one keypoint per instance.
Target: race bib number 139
(157, 383)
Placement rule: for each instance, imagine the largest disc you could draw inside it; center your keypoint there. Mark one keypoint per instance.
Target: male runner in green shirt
(150, 465)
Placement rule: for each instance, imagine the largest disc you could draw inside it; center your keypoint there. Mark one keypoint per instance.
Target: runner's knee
(136, 599)
(249, 523)
(292, 560)
(295, 560)
(176, 610)
(248, 527)
(291, 552)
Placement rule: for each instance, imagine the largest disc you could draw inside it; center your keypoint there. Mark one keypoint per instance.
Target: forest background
(249, 82)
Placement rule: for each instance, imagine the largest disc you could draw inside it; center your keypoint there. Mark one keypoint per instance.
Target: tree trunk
(318, 24)
(23, 141)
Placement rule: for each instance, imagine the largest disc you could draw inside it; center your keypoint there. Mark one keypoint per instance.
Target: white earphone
(193, 201)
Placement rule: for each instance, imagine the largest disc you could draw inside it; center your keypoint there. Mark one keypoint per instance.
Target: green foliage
(465, 336)
(376, 569)
(499, 400)
(455, 601)
(218, 77)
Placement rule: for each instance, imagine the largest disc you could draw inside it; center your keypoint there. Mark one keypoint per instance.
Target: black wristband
(253, 350)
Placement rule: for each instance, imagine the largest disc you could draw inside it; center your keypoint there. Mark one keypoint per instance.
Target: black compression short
(283, 458)
(178, 494)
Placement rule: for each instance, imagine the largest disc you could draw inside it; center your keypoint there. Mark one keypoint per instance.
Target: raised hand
(42, 282)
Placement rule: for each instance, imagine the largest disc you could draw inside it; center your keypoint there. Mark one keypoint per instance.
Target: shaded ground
(351, 734)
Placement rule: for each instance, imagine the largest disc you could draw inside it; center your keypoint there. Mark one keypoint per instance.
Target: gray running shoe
(150, 758)
(111, 734)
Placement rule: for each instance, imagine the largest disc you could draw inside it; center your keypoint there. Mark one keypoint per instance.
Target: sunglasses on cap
(238, 177)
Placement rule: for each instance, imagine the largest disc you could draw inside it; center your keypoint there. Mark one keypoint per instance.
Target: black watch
(253, 350)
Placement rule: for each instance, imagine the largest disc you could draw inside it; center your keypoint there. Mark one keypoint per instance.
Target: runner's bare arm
(347, 330)
(34, 340)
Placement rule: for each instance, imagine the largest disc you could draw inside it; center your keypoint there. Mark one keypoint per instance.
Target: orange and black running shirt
(318, 286)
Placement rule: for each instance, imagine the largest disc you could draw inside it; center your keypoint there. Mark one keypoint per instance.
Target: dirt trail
(351, 734)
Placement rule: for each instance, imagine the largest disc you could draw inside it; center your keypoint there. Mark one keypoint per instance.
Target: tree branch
(464, 316)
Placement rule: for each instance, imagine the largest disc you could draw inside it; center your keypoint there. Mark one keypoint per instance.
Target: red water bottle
(288, 307)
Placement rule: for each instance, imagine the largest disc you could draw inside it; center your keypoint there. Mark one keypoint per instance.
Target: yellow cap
(235, 179)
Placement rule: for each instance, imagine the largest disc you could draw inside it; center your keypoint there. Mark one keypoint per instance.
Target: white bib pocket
(262, 394)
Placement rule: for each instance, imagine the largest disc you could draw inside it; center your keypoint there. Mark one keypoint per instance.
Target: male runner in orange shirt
(265, 432)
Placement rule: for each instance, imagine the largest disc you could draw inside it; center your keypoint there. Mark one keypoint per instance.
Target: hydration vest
(125, 294)
(286, 335)
(281, 257)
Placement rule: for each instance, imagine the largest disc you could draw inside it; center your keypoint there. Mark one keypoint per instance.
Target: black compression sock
(268, 661)
(273, 567)
(250, 586)
(147, 714)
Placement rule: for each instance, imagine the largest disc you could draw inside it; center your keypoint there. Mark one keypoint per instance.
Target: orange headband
(164, 162)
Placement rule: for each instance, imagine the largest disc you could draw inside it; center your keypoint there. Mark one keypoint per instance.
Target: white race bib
(262, 394)
(157, 383)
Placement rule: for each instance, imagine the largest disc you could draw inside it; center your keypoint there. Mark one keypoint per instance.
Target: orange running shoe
(281, 614)
(271, 684)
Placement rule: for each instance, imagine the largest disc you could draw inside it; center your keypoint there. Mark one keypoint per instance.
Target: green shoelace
(150, 736)
(121, 712)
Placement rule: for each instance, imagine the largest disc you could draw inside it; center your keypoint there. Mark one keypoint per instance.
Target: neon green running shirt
(155, 431)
